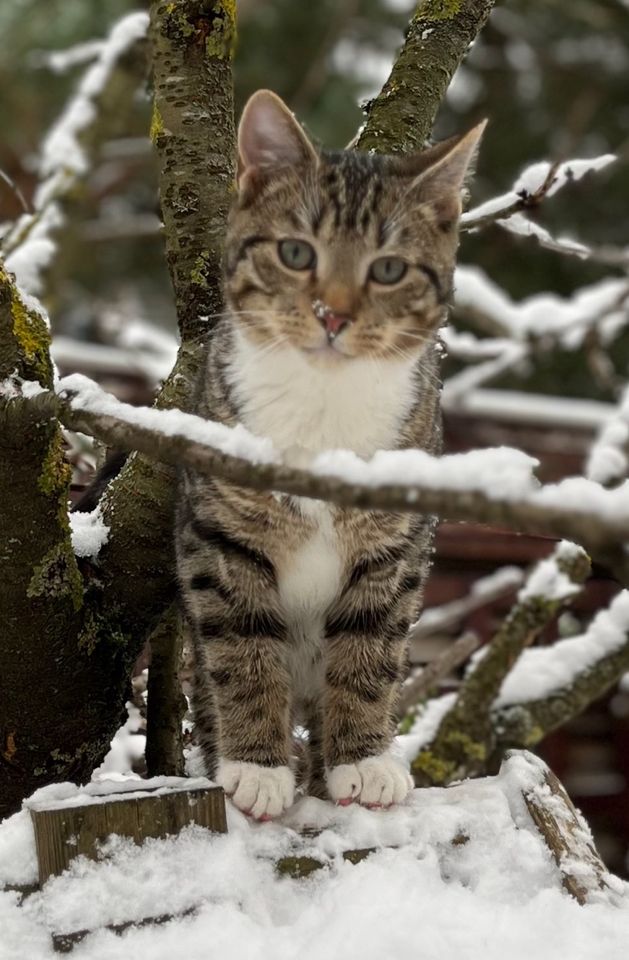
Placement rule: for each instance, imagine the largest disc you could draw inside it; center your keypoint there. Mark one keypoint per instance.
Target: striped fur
(300, 610)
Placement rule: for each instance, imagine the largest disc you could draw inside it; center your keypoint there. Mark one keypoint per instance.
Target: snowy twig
(483, 592)
(418, 687)
(69, 148)
(534, 184)
(466, 736)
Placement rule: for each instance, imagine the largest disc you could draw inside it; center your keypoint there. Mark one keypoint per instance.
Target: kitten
(338, 268)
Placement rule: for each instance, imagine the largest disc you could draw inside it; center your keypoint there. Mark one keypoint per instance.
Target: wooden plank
(63, 832)
(65, 942)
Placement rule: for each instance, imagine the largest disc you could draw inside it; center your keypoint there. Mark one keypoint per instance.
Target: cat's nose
(333, 323)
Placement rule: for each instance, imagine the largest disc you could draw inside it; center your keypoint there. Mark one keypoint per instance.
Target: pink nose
(334, 323)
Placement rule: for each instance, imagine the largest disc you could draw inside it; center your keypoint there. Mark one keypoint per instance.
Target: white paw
(262, 792)
(374, 782)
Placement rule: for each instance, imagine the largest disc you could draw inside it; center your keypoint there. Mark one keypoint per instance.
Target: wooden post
(64, 831)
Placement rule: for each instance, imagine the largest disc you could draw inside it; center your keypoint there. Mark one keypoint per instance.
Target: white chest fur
(306, 408)
(351, 405)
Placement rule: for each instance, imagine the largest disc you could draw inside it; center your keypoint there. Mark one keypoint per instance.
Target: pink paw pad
(345, 801)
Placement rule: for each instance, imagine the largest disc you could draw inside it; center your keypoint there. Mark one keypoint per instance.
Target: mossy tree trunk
(69, 636)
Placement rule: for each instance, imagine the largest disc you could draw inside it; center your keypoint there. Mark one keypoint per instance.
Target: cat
(337, 271)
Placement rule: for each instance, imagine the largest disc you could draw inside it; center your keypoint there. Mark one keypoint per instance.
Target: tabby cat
(338, 269)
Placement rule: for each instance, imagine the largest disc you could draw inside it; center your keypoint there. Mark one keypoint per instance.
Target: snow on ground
(495, 892)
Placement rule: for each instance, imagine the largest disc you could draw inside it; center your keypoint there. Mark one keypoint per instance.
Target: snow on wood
(543, 314)
(501, 474)
(70, 828)
(236, 441)
(544, 671)
(549, 580)
(30, 245)
(565, 832)
(532, 408)
(472, 852)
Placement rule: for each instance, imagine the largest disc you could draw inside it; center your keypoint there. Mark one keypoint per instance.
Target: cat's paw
(373, 782)
(261, 792)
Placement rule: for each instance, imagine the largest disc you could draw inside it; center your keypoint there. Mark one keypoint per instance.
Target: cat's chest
(304, 408)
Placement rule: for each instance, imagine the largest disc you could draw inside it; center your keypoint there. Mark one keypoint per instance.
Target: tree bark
(438, 36)
(81, 679)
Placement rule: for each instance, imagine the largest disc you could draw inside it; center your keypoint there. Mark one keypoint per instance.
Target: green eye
(296, 254)
(388, 269)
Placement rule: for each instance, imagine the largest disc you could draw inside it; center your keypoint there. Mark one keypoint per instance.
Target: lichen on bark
(401, 117)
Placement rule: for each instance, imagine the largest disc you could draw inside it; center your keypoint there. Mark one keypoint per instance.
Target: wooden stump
(564, 830)
(66, 829)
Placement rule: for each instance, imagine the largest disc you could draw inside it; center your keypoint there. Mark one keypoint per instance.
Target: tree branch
(195, 146)
(418, 688)
(601, 526)
(466, 736)
(401, 117)
(70, 148)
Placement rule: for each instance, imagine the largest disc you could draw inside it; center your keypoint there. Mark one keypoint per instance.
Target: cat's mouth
(328, 351)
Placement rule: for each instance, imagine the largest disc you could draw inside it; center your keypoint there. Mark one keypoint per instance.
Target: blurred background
(552, 78)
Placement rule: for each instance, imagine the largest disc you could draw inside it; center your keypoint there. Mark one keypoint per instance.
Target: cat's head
(342, 254)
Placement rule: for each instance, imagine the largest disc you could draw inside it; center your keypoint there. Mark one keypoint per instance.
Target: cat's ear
(269, 137)
(439, 173)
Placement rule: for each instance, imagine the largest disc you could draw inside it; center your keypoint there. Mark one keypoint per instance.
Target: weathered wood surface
(565, 832)
(63, 832)
(65, 942)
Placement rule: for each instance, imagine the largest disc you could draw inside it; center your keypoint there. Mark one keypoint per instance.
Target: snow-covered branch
(466, 736)
(67, 151)
(533, 186)
(608, 462)
(495, 486)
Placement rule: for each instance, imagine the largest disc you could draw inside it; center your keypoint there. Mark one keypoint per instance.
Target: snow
(608, 459)
(61, 148)
(496, 891)
(533, 408)
(543, 314)
(531, 180)
(126, 748)
(543, 671)
(89, 532)
(547, 580)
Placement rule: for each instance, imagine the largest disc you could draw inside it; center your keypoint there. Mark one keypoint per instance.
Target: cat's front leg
(241, 694)
(252, 698)
(366, 638)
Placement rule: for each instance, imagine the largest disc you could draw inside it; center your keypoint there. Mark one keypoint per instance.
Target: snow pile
(455, 872)
(89, 532)
(548, 580)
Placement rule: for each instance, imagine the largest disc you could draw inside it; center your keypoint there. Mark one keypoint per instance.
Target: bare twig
(417, 688)
(483, 592)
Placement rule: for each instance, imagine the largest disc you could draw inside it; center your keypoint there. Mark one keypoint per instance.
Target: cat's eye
(388, 269)
(296, 254)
